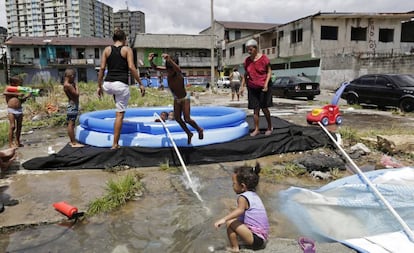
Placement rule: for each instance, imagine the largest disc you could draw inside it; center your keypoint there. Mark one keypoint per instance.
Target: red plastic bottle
(65, 209)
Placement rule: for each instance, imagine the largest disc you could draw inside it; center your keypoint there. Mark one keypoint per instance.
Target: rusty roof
(58, 41)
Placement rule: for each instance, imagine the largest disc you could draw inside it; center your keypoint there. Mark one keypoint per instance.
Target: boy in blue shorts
(72, 92)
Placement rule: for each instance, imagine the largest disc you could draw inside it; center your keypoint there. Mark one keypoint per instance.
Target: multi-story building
(3, 34)
(230, 32)
(61, 18)
(335, 47)
(42, 59)
(131, 22)
(193, 51)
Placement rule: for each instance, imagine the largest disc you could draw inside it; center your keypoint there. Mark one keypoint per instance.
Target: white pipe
(179, 156)
(374, 189)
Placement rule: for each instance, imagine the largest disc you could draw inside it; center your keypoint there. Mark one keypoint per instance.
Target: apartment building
(229, 37)
(335, 47)
(44, 59)
(62, 18)
(131, 22)
(193, 51)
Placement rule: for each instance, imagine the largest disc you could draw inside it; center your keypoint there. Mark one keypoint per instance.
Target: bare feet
(233, 250)
(190, 135)
(254, 133)
(115, 147)
(76, 145)
(201, 134)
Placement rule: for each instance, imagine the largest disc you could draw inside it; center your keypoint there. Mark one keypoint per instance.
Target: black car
(383, 90)
(295, 86)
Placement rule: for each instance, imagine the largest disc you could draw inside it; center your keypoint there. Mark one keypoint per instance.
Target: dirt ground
(32, 188)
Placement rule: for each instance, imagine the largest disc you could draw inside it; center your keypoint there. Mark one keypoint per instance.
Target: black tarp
(286, 137)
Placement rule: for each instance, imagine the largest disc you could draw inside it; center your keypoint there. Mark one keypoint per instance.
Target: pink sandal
(307, 245)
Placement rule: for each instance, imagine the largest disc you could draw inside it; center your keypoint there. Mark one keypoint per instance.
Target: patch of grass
(167, 168)
(118, 193)
(349, 134)
(288, 170)
(4, 133)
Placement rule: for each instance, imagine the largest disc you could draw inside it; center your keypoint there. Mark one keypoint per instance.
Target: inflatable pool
(221, 124)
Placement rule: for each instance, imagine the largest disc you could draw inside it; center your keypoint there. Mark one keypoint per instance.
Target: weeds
(287, 170)
(118, 193)
(4, 133)
(349, 134)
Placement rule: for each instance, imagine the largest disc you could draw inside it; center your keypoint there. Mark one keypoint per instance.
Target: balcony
(191, 61)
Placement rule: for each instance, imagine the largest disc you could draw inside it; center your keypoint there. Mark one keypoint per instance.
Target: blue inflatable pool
(221, 124)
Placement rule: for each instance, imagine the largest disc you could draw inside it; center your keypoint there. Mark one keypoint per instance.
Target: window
(96, 53)
(244, 48)
(407, 31)
(329, 32)
(296, 36)
(232, 51)
(274, 43)
(80, 53)
(359, 33)
(237, 34)
(386, 35)
(381, 81)
(224, 53)
(36, 53)
(280, 35)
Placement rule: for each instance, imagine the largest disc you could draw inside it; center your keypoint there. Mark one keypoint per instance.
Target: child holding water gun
(14, 102)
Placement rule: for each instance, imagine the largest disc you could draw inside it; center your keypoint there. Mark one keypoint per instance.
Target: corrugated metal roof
(246, 25)
(73, 41)
(148, 40)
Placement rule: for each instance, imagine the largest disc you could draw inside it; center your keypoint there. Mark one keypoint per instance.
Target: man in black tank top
(118, 59)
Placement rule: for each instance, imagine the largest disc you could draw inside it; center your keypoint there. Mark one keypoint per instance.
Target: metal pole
(213, 42)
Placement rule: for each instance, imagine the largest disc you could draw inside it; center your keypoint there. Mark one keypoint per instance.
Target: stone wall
(341, 68)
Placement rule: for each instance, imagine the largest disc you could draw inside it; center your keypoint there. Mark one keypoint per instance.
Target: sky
(193, 16)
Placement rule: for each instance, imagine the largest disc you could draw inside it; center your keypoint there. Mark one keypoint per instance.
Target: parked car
(198, 81)
(382, 90)
(295, 86)
(223, 82)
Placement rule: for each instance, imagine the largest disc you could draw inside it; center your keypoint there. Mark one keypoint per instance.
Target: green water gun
(23, 89)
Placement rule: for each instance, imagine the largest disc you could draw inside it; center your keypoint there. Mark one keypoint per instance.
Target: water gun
(23, 89)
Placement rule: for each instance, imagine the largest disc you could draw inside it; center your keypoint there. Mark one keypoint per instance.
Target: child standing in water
(181, 97)
(72, 92)
(249, 220)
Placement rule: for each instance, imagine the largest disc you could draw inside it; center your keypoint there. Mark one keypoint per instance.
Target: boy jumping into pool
(181, 97)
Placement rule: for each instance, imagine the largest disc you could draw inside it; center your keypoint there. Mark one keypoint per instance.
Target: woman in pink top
(256, 78)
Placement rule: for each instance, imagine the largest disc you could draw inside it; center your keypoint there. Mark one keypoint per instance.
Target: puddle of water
(170, 219)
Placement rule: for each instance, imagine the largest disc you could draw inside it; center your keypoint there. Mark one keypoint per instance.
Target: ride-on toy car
(327, 115)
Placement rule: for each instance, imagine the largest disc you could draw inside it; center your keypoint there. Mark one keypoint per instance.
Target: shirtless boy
(181, 97)
(14, 102)
(72, 92)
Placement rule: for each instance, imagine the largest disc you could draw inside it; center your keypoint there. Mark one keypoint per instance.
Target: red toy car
(329, 114)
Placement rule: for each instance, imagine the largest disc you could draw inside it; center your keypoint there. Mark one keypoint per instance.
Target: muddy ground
(36, 190)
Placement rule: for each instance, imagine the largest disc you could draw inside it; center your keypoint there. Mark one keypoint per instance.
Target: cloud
(193, 16)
